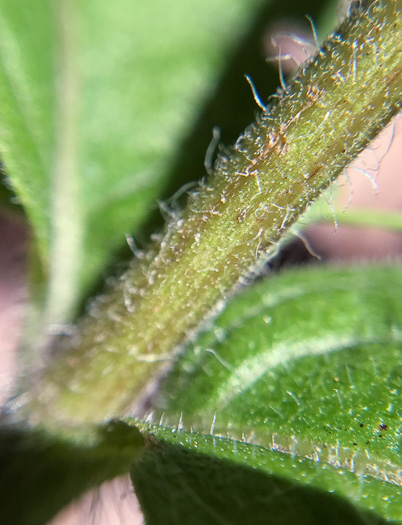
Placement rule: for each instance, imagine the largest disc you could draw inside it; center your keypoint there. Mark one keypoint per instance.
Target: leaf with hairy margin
(307, 363)
(185, 477)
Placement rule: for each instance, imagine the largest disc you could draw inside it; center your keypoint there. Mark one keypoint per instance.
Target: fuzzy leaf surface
(306, 364)
(187, 477)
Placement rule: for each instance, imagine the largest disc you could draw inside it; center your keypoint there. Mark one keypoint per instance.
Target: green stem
(337, 103)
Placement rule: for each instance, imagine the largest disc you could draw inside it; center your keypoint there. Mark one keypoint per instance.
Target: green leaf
(366, 218)
(42, 471)
(307, 363)
(95, 98)
(363, 217)
(187, 477)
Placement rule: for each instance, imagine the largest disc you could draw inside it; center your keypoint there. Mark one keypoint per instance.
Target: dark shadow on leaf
(39, 474)
(181, 487)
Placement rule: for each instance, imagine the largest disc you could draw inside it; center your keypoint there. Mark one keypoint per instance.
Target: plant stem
(327, 115)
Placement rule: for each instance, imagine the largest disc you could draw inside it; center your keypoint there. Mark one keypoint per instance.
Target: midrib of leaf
(249, 372)
(67, 215)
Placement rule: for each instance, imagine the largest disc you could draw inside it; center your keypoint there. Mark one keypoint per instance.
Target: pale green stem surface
(302, 142)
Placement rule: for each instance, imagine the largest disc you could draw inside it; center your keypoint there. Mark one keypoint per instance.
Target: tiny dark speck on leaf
(361, 425)
(383, 427)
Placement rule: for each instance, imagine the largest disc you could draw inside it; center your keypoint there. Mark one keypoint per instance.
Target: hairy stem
(303, 140)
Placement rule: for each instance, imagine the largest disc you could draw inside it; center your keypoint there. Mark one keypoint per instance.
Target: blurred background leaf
(115, 88)
(107, 107)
